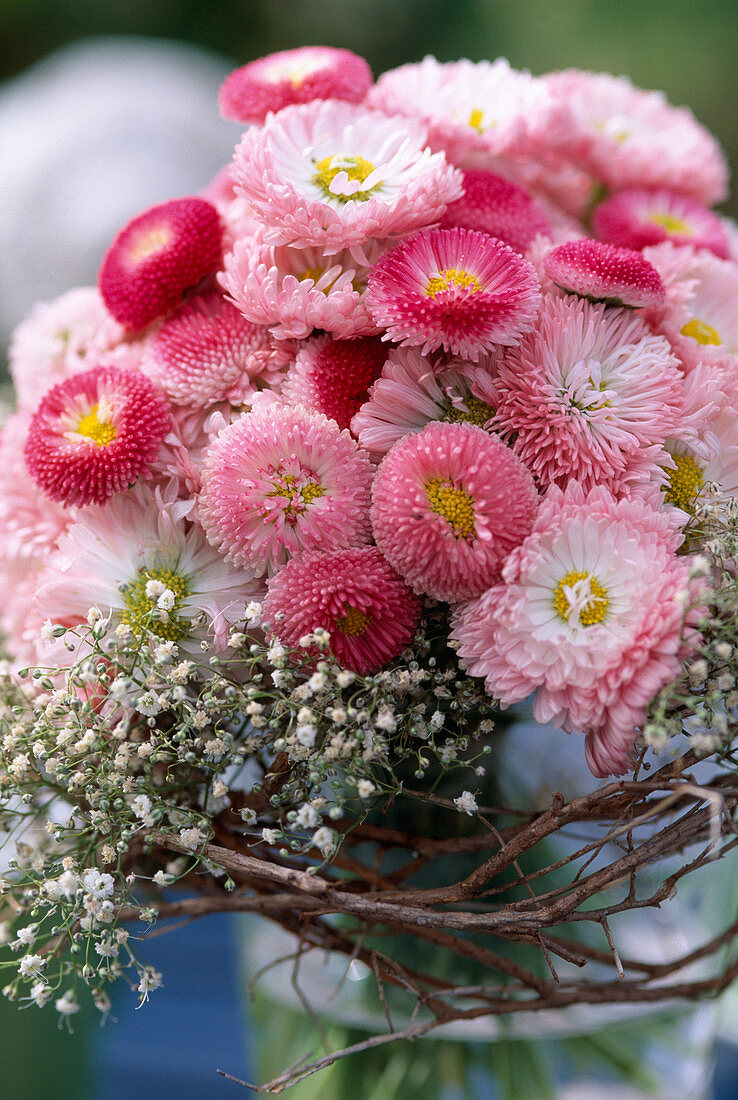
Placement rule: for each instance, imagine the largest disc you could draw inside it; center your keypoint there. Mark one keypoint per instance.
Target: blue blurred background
(108, 108)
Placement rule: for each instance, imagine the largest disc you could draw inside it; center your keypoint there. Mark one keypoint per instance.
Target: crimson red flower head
(94, 434)
(604, 273)
(157, 256)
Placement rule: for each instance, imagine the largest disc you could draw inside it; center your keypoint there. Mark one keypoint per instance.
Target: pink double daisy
(590, 614)
(296, 290)
(448, 504)
(586, 392)
(499, 207)
(293, 76)
(333, 376)
(280, 480)
(355, 595)
(640, 217)
(94, 434)
(455, 289)
(208, 352)
(335, 175)
(604, 273)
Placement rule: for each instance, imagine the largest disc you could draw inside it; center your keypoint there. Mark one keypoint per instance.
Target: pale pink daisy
(280, 79)
(280, 480)
(640, 217)
(448, 504)
(499, 207)
(586, 391)
(333, 376)
(411, 392)
(700, 317)
(604, 273)
(94, 434)
(354, 594)
(590, 613)
(455, 289)
(296, 290)
(207, 352)
(157, 256)
(124, 557)
(335, 175)
(627, 137)
(58, 339)
(468, 107)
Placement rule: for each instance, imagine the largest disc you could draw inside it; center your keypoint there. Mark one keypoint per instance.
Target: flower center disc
(452, 278)
(701, 332)
(155, 238)
(299, 489)
(351, 173)
(685, 482)
(671, 224)
(455, 505)
(473, 411)
(580, 600)
(101, 432)
(353, 622)
(141, 611)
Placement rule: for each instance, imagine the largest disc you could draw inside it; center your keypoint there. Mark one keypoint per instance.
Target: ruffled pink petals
(448, 504)
(335, 175)
(586, 392)
(157, 256)
(333, 376)
(280, 79)
(641, 217)
(208, 352)
(355, 595)
(603, 273)
(95, 434)
(281, 480)
(455, 289)
(591, 613)
(499, 207)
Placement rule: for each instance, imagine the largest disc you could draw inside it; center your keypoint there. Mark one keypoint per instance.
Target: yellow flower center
(353, 622)
(472, 411)
(685, 482)
(475, 120)
(701, 332)
(150, 241)
(672, 224)
(357, 169)
(101, 432)
(580, 600)
(455, 505)
(142, 612)
(299, 489)
(452, 277)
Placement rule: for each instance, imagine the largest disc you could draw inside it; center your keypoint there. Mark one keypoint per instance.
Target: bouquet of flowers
(427, 405)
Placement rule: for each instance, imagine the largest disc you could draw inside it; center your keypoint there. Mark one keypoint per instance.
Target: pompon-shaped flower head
(280, 480)
(208, 352)
(591, 613)
(157, 256)
(627, 137)
(604, 273)
(296, 290)
(333, 376)
(355, 595)
(448, 505)
(499, 207)
(586, 392)
(94, 434)
(412, 391)
(639, 217)
(248, 94)
(335, 175)
(468, 107)
(455, 289)
(147, 568)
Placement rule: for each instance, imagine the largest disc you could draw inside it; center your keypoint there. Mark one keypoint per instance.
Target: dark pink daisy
(355, 595)
(448, 505)
(604, 273)
(640, 217)
(334, 376)
(157, 256)
(94, 434)
(208, 352)
(455, 289)
(499, 207)
(293, 76)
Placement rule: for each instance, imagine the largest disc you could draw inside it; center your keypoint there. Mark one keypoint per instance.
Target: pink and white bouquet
(427, 404)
